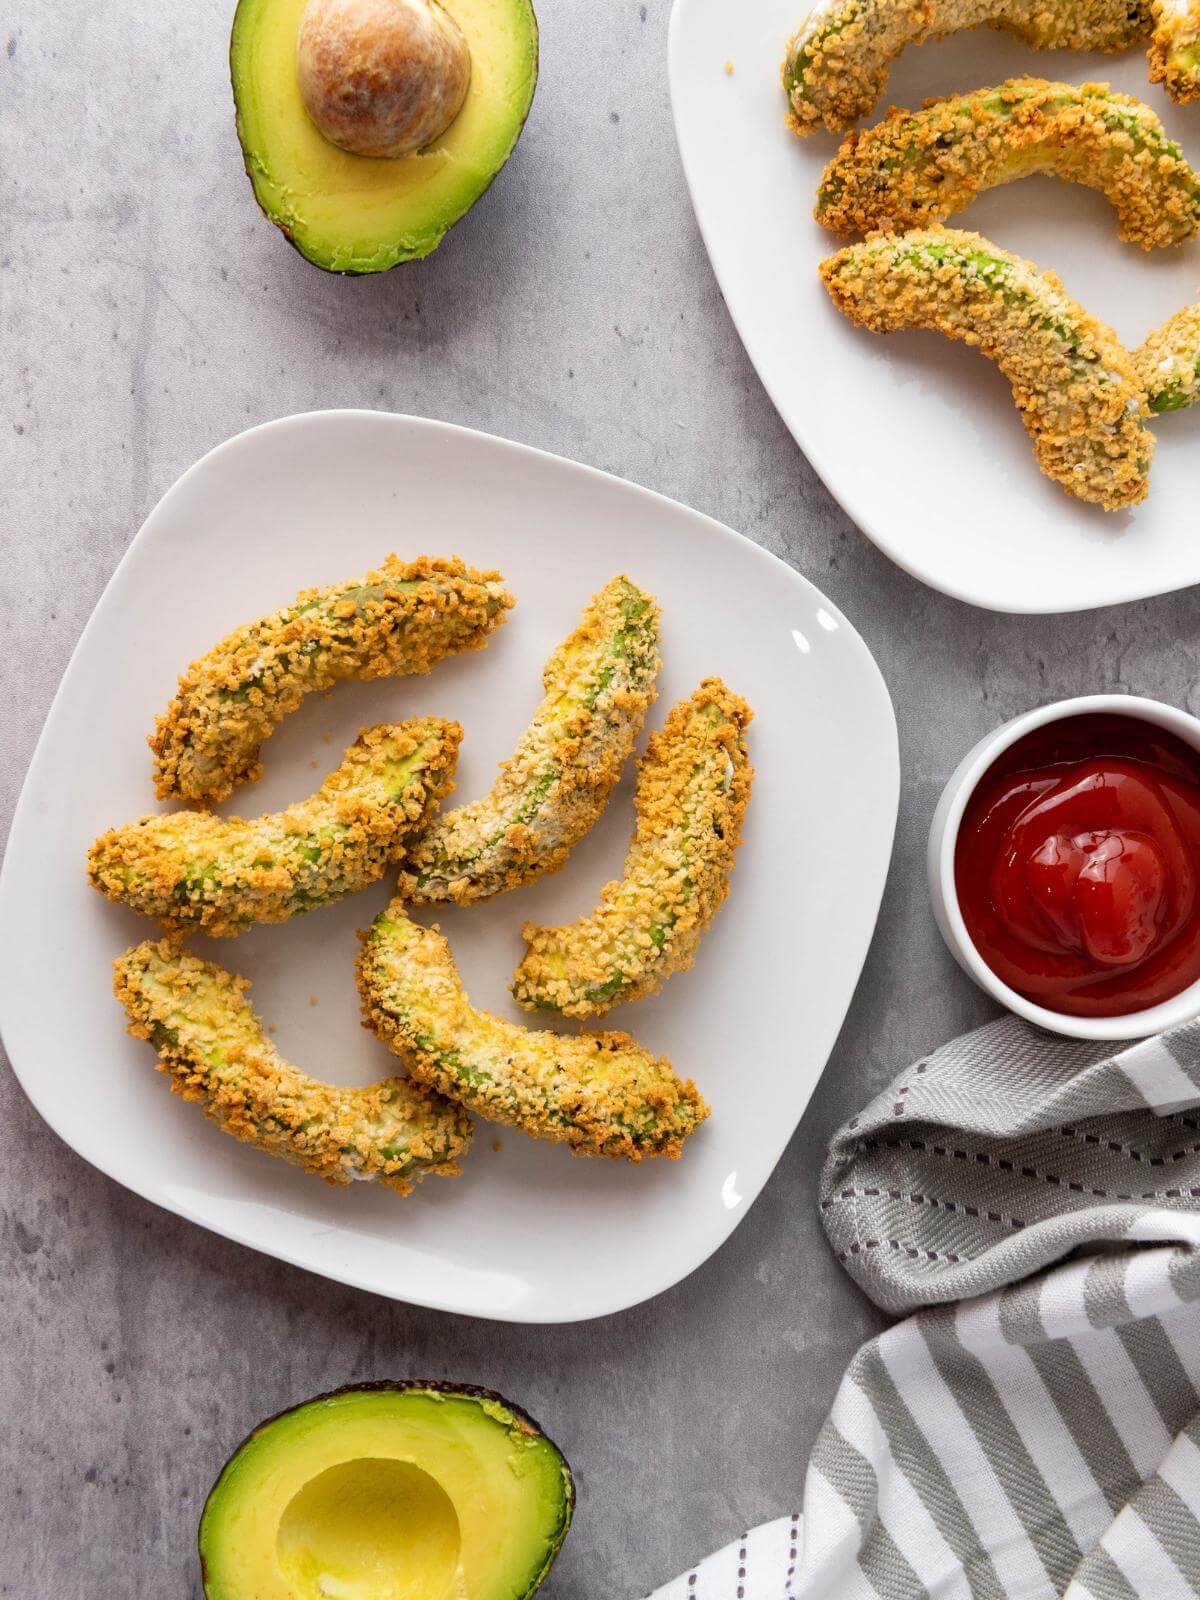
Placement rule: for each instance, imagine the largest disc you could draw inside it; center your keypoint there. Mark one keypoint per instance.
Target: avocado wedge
(601, 1094)
(193, 869)
(599, 684)
(388, 1491)
(693, 786)
(354, 213)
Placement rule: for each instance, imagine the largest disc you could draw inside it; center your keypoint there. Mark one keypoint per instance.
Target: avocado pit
(381, 78)
(349, 213)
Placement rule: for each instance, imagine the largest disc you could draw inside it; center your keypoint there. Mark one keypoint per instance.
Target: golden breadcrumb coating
(1174, 50)
(1073, 382)
(215, 1051)
(919, 167)
(601, 1094)
(401, 619)
(599, 685)
(1168, 362)
(836, 66)
(224, 874)
(693, 786)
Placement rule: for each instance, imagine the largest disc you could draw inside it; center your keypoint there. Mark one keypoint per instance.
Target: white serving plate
(917, 437)
(529, 1232)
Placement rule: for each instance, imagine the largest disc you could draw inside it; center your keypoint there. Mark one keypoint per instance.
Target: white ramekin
(943, 837)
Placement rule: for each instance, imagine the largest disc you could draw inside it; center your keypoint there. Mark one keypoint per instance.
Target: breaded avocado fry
(693, 785)
(836, 66)
(215, 1050)
(191, 869)
(1168, 362)
(1174, 51)
(602, 1094)
(599, 684)
(919, 167)
(1073, 382)
(401, 619)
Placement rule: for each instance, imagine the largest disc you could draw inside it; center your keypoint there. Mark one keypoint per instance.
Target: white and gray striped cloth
(1035, 1433)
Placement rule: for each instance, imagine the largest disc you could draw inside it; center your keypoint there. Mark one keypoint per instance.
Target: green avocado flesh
(388, 1492)
(351, 213)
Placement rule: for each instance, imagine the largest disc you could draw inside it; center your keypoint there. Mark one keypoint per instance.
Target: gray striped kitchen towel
(1032, 1430)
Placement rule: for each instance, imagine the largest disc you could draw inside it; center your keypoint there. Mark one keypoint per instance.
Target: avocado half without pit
(370, 127)
(389, 1491)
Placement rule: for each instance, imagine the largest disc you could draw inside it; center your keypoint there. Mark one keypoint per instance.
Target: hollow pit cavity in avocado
(390, 1491)
(353, 213)
(370, 1529)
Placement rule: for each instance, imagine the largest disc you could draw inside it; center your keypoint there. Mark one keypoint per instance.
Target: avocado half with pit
(388, 1491)
(355, 213)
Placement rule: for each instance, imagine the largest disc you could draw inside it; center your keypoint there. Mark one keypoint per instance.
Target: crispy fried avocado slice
(1168, 362)
(602, 1094)
(1174, 51)
(401, 619)
(1072, 380)
(693, 785)
(599, 685)
(836, 66)
(191, 869)
(919, 167)
(215, 1050)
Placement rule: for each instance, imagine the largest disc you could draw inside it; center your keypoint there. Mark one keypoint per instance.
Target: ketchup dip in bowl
(1064, 866)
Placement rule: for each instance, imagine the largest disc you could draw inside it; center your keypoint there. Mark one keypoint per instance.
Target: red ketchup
(1078, 866)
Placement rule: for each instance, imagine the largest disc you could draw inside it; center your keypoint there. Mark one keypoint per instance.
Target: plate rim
(27, 1080)
(678, 21)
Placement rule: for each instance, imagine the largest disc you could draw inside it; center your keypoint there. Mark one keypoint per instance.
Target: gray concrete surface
(147, 313)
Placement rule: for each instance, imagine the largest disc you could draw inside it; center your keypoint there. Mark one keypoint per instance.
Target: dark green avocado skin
(468, 1391)
(248, 161)
(354, 272)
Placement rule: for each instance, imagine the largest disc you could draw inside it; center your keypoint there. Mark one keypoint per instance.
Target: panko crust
(401, 619)
(1168, 362)
(1074, 384)
(599, 684)
(216, 1052)
(693, 787)
(836, 66)
(1174, 50)
(600, 1094)
(222, 875)
(919, 167)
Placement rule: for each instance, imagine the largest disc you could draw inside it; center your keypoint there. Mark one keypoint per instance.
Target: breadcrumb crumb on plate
(528, 1233)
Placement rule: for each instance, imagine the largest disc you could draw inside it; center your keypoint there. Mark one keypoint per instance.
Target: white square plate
(918, 438)
(529, 1232)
